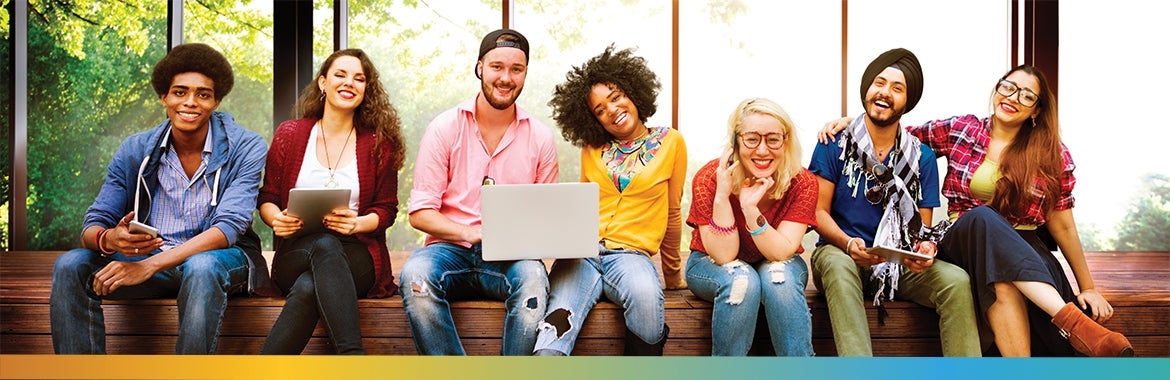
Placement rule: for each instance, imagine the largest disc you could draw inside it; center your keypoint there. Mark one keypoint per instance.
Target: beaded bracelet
(759, 230)
(720, 229)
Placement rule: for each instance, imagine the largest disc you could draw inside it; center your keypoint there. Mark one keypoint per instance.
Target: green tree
(1147, 225)
(89, 65)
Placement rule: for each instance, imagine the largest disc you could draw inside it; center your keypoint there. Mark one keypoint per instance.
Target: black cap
(490, 41)
(900, 59)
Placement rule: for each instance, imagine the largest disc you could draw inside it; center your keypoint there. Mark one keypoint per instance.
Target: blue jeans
(322, 276)
(201, 285)
(625, 277)
(443, 272)
(737, 289)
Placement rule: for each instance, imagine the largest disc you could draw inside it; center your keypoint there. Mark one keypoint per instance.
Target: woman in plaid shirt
(1008, 175)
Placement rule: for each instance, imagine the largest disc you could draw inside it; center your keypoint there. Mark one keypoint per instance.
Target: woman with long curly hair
(1009, 178)
(602, 107)
(348, 135)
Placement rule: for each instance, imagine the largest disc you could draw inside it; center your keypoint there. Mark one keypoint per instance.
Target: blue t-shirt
(855, 215)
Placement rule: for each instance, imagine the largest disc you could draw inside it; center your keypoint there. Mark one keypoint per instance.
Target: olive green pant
(943, 287)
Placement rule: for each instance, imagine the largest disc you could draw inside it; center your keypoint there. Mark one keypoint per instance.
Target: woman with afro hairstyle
(602, 107)
(347, 135)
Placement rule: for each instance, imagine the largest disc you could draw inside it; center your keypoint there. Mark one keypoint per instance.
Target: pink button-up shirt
(453, 161)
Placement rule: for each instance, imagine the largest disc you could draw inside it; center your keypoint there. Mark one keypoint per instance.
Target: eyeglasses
(751, 140)
(876, 194)
(1008, 88)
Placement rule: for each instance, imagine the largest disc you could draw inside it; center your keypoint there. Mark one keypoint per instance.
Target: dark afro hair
(570, 101)
(198, 58)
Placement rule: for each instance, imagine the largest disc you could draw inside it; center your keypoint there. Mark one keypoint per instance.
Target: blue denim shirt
(233, 170)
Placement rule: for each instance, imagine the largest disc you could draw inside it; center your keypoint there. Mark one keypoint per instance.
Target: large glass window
(788, 52)
(730, 51)
(89, 73)
(243, 33)
(962, 46)
(425, 52)
(1112, 88)
(89, 86)
(569, 34)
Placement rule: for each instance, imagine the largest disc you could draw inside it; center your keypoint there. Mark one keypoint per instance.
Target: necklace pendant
(330, 183)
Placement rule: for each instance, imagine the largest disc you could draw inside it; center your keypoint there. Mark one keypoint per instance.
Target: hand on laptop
(472, 234)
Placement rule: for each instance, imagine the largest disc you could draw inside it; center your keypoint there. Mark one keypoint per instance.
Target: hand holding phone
(141, 228)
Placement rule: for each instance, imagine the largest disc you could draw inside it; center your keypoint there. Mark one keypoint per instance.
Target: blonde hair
(789, 166)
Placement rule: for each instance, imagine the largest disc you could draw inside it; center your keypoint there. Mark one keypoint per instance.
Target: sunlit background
(89, 63)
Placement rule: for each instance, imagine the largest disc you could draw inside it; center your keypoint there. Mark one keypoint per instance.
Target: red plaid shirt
(963, 140)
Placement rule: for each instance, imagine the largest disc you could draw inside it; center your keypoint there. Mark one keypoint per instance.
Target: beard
(496, 102)
(883, 117)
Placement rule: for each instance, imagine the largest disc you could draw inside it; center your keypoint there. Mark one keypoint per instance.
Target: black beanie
(901, 59)
(489, 43)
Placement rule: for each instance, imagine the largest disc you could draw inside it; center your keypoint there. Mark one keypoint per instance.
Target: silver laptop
(539, 221)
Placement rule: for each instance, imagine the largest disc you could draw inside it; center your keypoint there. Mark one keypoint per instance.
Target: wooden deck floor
(1136, 283)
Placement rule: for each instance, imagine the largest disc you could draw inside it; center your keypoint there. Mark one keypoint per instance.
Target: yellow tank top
(983, 186)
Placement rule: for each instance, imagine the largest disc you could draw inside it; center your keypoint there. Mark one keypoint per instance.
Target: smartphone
(141, 228)
(734, 152)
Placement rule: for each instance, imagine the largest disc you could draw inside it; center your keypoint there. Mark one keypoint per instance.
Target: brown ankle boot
(1088, 337)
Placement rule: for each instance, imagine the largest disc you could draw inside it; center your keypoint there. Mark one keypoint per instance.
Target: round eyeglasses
(1007, 88)
(751, 140)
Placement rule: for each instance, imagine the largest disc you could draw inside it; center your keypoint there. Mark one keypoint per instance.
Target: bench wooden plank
(1136, 283)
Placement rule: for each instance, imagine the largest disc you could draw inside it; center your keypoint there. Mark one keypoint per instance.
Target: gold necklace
(332, 169)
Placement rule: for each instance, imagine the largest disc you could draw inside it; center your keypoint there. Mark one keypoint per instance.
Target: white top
(314, 175)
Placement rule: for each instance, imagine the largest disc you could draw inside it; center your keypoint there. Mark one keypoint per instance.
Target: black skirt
(984, 244)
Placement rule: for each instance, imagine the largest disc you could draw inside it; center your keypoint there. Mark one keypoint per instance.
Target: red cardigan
(377, 186)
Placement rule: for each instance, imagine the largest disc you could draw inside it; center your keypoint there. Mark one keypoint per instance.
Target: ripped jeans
(442, 272)
(737, 290)
(627, 278)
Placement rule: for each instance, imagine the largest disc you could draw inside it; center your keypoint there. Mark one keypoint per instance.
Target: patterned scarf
(900, 219)
(624, 161)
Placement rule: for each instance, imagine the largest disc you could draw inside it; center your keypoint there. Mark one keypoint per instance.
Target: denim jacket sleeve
(240, 181)
(116, 196)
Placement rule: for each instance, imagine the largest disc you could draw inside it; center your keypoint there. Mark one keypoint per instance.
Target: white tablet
(312, 204)
(896, 254)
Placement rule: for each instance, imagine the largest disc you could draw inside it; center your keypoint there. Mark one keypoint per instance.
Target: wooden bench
(1136, 283)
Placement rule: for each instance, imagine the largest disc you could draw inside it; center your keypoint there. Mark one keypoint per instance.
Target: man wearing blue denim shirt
(194, 178)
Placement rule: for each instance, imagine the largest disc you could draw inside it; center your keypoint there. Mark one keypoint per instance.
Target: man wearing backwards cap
(878, 185)
(485, 140)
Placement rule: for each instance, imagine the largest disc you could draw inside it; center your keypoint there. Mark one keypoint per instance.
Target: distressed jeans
(943, 287)
(443, 272)
(625, 277)
(201, 285)
(737, 289)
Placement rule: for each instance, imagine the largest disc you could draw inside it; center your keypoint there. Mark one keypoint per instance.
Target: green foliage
(89, 66)
(4, 17)
(1147, 225)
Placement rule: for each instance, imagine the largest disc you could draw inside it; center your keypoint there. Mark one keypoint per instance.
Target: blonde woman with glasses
(750, 209)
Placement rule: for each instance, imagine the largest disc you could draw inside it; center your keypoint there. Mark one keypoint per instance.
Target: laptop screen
(539, 221)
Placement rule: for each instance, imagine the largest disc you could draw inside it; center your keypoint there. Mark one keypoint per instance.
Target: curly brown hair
(194, 57)
(570, 101)
(375, 112)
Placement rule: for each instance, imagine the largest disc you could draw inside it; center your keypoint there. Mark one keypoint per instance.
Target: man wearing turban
(877, 186)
